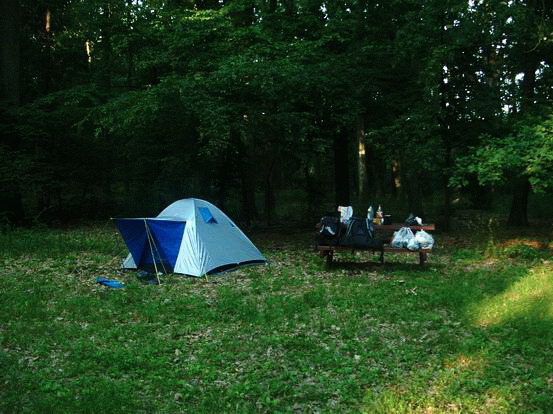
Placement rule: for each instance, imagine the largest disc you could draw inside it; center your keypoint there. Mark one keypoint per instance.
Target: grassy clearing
(468, 333)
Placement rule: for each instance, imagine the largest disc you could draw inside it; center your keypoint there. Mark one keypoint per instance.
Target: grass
(469, 332)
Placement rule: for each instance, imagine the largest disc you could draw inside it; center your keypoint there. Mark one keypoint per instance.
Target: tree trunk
(362, 183)
(396, 178)
(224, 178)
(249, 211)
(447, 190)
(518, 215)
(10, 52)
(130, 48)
(48, 61)
(341, 167)
(11, 204)
(107, 52)
(270, 193)
(413, 191)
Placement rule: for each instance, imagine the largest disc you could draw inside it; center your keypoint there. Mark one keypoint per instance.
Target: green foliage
(528, 152)
(233, 100)
(525, 252)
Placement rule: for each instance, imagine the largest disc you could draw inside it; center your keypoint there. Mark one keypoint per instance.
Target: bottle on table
(379, 215)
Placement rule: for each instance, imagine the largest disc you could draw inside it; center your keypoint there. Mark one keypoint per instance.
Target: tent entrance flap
(152, 243)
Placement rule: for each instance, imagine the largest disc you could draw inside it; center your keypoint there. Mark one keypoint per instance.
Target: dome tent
(191, 237)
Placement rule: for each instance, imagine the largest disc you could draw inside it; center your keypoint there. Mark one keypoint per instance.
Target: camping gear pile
(191, 237)
(347, 230)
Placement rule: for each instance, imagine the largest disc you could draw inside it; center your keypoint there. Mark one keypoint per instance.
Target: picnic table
(385, 233)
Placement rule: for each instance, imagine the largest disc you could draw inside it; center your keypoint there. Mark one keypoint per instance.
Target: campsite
(276, 206)
(469, 332)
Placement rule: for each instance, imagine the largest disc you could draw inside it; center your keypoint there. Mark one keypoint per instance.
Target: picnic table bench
(328, 251)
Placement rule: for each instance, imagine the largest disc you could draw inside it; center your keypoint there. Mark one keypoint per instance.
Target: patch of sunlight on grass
(531, 296)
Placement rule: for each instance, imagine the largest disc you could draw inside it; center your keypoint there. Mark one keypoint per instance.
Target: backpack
(360, 234)
(329, 230)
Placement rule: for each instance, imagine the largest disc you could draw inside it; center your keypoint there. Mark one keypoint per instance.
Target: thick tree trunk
(10, 51)
(11, 205)
(374, 179)
(480, 197)
(224, 177)
(518, 215)
(341, 167)
(247, 181)
(413, 182)
(447, 190)
(270, 202)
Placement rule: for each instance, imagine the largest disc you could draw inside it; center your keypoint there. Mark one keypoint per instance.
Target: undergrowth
(468, 332)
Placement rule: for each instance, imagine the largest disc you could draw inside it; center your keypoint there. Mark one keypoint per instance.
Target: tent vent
(207, 216)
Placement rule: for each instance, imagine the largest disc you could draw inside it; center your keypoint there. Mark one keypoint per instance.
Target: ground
(469, 332)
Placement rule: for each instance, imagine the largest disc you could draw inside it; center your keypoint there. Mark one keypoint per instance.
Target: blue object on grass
(110, 283)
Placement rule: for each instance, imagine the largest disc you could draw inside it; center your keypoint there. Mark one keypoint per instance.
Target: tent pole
(157, 250)
(151, 250)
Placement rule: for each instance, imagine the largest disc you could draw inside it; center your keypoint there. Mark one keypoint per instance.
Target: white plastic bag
(402, 237)
(413, 244)
(425, 240)
(345, 213)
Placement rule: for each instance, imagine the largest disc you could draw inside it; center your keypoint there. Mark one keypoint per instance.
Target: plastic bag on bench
(425, 240)
(402, 237)
(413, 244)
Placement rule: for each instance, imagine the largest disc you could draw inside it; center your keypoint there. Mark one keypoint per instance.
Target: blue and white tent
(191, 237)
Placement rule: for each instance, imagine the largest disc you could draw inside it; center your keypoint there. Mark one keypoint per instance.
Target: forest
(246, 121)
(275, 109)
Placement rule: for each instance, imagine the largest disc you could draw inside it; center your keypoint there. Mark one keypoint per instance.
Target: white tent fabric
(211, 240)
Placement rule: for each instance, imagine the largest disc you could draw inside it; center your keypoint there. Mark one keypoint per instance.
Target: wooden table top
(397, 226)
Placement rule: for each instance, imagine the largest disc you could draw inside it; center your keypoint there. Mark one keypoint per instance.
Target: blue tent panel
(134, 234)
(166, 240)
(167, 236)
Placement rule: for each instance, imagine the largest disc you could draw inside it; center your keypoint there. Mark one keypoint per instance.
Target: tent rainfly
(191, 237)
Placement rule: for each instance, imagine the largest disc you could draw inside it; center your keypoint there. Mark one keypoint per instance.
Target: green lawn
(470, 332)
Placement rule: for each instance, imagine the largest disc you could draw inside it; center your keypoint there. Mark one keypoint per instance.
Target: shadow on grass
(371, 262)
(500, 356)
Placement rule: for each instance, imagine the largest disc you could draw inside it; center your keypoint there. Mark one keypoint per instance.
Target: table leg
(329, 257)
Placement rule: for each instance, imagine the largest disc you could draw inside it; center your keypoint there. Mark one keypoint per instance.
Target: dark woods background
(275, 109)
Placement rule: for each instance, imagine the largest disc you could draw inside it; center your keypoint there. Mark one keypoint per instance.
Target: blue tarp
(166, 238)
(113, 283)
